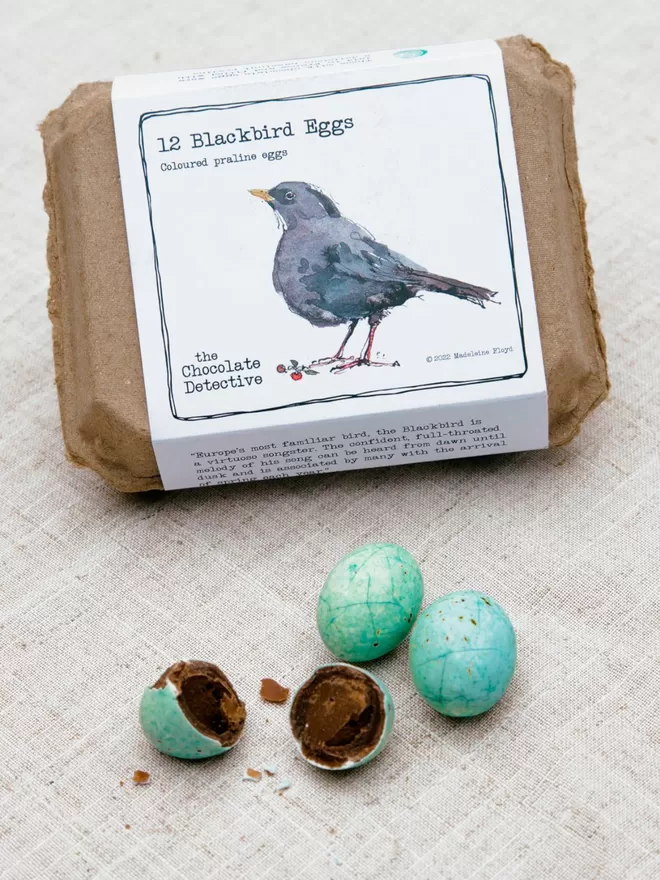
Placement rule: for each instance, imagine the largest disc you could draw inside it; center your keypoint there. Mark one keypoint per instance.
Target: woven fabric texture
(99, 592)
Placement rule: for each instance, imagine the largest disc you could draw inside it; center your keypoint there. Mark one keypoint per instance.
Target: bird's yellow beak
(262, 194)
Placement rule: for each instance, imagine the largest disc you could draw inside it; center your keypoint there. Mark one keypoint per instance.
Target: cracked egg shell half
(192, 711)
(341, 717)
(369, 602)
(462, 653)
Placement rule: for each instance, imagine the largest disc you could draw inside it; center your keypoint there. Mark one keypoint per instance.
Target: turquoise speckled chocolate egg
(462, 653)
(192, 711)
(369, 602)
(341, 717)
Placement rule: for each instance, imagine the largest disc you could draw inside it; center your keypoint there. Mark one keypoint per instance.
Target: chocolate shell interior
(338, 716)
(207, 699)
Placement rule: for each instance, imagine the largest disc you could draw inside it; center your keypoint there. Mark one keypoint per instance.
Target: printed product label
(330, 264)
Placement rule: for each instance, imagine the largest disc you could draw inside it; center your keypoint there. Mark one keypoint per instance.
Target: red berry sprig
(296, 370)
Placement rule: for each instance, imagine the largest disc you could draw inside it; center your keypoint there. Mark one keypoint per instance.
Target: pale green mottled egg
(462, 653)
(341, 717)
(192, 711)
(369, 602)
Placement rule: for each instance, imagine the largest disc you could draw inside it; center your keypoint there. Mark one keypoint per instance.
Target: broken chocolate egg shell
(341, 717)
(192, 711)
(273, 692)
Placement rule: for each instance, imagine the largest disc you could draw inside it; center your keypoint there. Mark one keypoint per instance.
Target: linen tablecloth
(99, 592)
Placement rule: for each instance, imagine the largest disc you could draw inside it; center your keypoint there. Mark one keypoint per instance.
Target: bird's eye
(289, 196)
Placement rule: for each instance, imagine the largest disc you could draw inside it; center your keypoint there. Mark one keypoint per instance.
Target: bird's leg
(351, 327)
(340, 353)
(365, 356)
(364, 360)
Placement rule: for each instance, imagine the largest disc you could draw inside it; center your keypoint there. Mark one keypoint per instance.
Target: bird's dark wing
(362, 257)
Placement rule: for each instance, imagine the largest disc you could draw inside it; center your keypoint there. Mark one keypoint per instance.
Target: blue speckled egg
(369, 602)
(462, 653)
(341, 717)
(192, 711)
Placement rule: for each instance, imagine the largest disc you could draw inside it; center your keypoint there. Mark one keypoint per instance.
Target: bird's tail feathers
(480, 296)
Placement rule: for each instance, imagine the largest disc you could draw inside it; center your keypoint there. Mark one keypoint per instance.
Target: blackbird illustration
(331, 271)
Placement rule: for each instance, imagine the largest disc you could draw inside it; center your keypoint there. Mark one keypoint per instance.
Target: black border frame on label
(383, 392)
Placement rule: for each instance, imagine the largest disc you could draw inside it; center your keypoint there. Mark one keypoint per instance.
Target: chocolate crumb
(141, 777)
(273, 692)
(253, 774)
(121, 782)
(127, 827)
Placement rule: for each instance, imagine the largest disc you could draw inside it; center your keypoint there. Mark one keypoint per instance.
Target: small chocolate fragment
(338, 716)
(141, 777)
(273, 692)
(253, 774)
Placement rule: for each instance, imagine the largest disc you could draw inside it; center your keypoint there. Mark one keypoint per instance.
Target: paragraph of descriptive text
(317, 453)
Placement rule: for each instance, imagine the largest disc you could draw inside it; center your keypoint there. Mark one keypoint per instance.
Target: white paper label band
(330, 264)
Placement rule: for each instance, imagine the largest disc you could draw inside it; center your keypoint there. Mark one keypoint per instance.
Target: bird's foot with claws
(362, 362)
(325, 362)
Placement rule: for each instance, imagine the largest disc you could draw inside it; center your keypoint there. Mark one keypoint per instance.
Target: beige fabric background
(99, 592)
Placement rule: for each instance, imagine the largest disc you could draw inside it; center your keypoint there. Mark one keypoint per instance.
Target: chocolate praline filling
(207, 699)
(338, 716)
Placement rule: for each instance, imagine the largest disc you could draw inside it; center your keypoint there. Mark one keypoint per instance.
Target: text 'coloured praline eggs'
(369, 602)
(462, 653)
